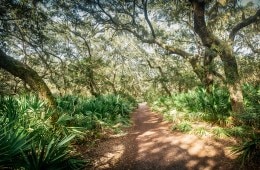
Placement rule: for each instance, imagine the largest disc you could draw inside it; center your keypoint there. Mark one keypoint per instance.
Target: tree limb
(243, 24)
(28, 75)
(146, 17)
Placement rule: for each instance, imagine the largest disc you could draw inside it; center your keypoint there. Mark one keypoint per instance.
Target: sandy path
(149, 144)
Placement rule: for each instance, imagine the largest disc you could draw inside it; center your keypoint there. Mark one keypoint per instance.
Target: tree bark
(224, 50)
(232, 78)
(28, 75)
(208, 70)
(197, 69)
(164, 86)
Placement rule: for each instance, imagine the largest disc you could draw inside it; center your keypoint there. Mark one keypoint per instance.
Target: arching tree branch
(28, 75)
(243, 24)
(147, 19)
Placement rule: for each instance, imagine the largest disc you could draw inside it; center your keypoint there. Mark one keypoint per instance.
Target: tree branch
(173, 50)
(243, 24)
(162, 75)
(107, 14)
(146, 17)
(28, 75)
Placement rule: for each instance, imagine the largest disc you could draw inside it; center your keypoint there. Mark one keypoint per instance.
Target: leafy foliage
(28, 139)
(214, 107)
(53, 155)
(248, 150)
(93, 113)
(11, 143)
(252, 101)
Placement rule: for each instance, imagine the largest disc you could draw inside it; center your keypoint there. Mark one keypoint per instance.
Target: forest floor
(150, 144)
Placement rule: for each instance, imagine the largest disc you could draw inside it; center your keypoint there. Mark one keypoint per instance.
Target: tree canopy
(100, 46)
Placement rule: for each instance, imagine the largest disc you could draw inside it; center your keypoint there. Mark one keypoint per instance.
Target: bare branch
(107, 14)
(147, 19)
(243, 24)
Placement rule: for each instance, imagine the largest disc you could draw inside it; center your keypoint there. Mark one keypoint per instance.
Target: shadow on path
(150, 144)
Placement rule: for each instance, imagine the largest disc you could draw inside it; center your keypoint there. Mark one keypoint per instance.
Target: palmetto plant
(90, 113)
(249, 149)
(214, 105)
(54, 155)
(28, 141)
(12, 141)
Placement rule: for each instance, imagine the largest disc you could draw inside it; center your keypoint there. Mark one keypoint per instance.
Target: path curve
(149, 144)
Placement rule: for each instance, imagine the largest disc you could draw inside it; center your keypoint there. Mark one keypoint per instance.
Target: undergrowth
(29, 140)
(185, 110)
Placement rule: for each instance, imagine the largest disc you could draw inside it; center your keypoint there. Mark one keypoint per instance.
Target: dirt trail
(149, 144)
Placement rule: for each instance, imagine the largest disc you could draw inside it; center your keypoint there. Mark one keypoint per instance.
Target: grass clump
(183, 126)
(201, 131)
(219, 132)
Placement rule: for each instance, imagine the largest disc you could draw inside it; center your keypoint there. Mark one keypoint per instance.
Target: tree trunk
(224, 50)
(232, 78)
(208, 70)
(197, 69)
(28, 75)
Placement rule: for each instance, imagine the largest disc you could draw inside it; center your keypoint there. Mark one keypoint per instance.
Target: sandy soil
(150, 144)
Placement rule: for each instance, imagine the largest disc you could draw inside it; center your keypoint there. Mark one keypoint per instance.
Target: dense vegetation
(188, 109)
(30, 140)
(71, 70)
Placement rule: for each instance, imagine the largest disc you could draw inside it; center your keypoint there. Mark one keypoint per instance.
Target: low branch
(28, 75)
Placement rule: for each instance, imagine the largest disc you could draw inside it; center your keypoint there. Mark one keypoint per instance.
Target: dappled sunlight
(110, 157)
(150, 144)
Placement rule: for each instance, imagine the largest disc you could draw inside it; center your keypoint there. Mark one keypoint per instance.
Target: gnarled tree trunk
(232, 78)
(225, 52)
(28, 75)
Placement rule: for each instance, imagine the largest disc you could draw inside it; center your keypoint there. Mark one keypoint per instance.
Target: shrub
(53, 155)
(23, 130)
(106, 110)
(248, 150)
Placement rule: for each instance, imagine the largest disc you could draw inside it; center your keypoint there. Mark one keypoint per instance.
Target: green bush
(252, 106)
(213, 107)
(248, 150)
(104, 110)
(53, 155)
(12, 142)
(24, 125)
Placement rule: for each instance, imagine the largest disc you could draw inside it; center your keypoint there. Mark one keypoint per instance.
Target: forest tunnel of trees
(137, 49)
